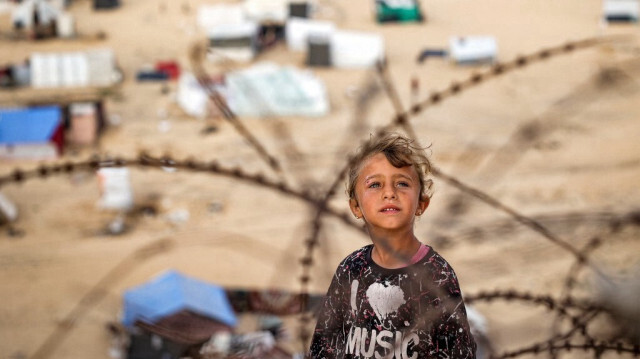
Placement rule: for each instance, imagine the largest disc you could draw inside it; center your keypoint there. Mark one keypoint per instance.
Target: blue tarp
(172, 292)
(28, 125)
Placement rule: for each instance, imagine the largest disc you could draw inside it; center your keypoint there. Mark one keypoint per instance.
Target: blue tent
(29, 125)
(173, 292)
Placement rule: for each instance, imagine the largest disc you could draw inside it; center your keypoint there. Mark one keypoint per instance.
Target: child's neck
(394, 252)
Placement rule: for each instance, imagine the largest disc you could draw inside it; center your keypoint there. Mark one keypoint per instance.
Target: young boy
(397, 298)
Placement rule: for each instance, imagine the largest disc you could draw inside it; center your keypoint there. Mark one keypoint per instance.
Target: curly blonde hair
(400, 152)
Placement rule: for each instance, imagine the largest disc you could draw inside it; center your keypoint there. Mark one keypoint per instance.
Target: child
(397, 298)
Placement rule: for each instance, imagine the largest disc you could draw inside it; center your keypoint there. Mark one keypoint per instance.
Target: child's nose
(389, 192)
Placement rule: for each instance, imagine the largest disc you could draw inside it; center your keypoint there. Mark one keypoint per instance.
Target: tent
(192, 97)
(85, 123)
(96, 67)
(267, 89)
(267, 11)
(33, 133)
(621, 10)
(398, 11)
(473, 49)
(150, 346)
(8, 210)
(236, 42)
(356, 49)
(179, 308)
(298, 31)
(24, 14)
(105, 4)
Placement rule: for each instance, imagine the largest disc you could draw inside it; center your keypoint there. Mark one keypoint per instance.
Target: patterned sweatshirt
(407, 313)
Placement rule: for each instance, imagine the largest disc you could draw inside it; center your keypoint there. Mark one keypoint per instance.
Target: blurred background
(153, 149)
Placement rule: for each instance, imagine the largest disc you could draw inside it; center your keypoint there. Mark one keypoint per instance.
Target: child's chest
(388, 301)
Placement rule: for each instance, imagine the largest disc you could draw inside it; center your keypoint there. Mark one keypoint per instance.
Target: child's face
(388, 198)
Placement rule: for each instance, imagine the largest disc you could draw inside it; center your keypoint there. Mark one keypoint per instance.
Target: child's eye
(403, 184)
(374, 185)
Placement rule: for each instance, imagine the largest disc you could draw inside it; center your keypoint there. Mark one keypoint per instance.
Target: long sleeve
(450, 331)
(329, 337)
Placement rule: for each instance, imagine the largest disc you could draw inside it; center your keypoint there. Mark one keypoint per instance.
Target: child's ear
(355, 208)
(422, 206)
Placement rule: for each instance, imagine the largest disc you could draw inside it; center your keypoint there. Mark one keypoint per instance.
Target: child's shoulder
(355, 261)
(436, 260)
(437, 265)
(357, 257)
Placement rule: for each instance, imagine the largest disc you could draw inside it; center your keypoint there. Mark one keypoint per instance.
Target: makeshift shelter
(31, 133)
(210, 16)
(42, 19)
(621, 10)
(192, 97)
(298, 31)
(473, 49)
(267, 11)
(301, 9)
(150, 346)
(115, 188)
(73, 69)
(267, 89)
(105, 4)
(355, 49)
(318, 50)
(15, 75)
(85, 122)
(179, 308)
(6, 76)
(8, 209)
(236, 42)
(31, 13)
(398, 11)
(273, 301)
(65, 25)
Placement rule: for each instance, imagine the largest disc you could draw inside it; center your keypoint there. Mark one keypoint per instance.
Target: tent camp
(179, 308)
(31, 133)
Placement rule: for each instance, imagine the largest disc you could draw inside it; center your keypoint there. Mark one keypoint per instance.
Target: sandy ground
(576, 172)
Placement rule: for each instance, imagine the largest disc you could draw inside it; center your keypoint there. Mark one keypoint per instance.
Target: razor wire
(320, 204)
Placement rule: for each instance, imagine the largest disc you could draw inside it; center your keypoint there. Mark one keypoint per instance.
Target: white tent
(73, 69)
(192, 98)
(236, 42)
(621, 10)
(210, 16)
(473, 49)
(298, 30)
(352, 49)
(46, 12)
(261, 11)
(8, 209)
(115, 189)
(268, 89)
